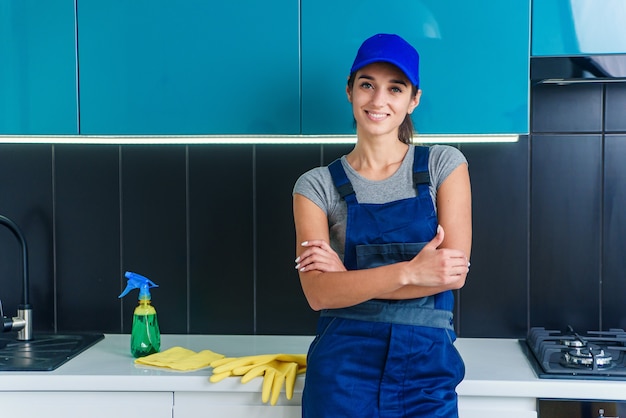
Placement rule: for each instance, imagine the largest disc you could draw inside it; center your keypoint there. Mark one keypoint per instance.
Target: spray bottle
(145, 337)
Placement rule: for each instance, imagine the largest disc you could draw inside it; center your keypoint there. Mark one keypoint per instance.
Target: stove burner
(567, 354)
(591, 356)
(574, 343)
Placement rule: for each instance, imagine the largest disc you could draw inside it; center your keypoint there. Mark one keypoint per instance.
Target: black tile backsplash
(496, 287)
(26, 198)
(575, 108)
(565, 232)
(613, 234)
(615, 107)
(86, 245)
(212, 225)
(153, 203)
(281, 306)
(221, 239)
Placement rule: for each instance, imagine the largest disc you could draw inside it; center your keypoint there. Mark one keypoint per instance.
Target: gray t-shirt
(317, 186)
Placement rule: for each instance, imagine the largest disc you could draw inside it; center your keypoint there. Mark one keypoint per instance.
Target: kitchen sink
(45, 352)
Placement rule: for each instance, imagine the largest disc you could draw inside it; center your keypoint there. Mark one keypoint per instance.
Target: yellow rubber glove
(216, 377)
(275, 374)
(277, 370)
(179, 358)
(275, 377)
(236, 363)
(237, 366)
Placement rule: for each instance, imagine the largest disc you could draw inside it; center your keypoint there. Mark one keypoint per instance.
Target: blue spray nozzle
(137, 281)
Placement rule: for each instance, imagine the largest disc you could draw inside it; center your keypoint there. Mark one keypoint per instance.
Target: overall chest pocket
(376, 255)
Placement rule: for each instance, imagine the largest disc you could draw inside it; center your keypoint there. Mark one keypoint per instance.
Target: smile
(377, 116)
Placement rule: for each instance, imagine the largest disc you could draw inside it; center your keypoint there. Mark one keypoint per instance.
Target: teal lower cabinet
(474, 61)
(37, 68)
(189, 67)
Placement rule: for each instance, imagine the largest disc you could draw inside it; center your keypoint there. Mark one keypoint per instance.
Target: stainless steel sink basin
(45, 352)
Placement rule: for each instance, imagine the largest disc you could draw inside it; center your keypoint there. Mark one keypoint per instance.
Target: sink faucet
(23, 321)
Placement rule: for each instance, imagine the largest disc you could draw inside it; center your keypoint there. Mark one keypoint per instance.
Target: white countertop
(494, 368)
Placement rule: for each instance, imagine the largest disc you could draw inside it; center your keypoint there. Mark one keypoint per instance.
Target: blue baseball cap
(392, 49)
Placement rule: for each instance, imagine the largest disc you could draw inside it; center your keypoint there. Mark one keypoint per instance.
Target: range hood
(578, 69)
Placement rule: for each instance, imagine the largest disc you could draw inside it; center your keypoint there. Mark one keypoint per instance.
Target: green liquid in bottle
(145, 337)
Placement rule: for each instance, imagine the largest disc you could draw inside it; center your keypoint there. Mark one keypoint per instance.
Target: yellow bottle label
(145, 309)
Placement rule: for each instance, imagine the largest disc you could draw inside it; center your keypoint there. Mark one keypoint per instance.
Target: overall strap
(421, 177)
(444, 301)
(340, 179)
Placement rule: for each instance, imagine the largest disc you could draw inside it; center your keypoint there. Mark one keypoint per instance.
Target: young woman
(383, 237)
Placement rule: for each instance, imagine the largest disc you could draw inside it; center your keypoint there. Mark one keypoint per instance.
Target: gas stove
(570, 355)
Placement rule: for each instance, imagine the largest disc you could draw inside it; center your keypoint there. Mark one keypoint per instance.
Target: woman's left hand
(319, 256)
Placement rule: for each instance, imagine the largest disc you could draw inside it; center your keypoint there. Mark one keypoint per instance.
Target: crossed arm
(441, 265)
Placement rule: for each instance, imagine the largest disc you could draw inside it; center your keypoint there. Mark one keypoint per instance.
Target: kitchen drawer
(497, 407)
(234, 405)
(86, 404)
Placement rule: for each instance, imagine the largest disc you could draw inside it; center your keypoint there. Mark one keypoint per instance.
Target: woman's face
(381, 98)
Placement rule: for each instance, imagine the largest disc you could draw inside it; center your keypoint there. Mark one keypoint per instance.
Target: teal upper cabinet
(578, 27)
(37, 68)
(196, 67)
(189, 67)
(474, 61)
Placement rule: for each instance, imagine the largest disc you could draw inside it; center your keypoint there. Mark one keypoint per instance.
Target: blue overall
(385, 358)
